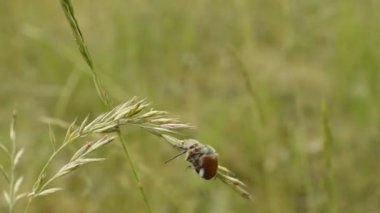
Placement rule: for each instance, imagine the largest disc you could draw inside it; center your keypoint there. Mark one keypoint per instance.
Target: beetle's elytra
(203, 159)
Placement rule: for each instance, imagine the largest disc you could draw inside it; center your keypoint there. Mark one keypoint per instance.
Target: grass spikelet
(236, 184)
(78, 159)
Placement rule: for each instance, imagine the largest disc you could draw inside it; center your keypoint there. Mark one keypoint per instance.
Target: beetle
(203, 158)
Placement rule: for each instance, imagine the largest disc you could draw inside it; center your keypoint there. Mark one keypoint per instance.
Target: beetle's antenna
(175, 157)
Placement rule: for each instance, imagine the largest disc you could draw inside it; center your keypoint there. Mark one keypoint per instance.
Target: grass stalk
(102, 93)
(246, 77)
(134, 171)
(329, 180)
(28, 205)
(13, 166)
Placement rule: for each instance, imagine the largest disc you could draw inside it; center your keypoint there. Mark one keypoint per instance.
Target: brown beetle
(203, 158)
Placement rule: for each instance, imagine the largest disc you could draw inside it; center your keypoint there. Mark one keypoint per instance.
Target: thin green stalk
(67, 92)
(13, 166)
(28, 205)
(329, 180)
(242, 69)
(135, 174)
(43, 171)
(102, 93)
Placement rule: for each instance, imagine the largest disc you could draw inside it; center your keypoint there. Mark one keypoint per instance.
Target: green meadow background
(252, 75)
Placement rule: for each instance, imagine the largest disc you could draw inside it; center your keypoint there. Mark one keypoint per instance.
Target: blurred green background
(250, 74)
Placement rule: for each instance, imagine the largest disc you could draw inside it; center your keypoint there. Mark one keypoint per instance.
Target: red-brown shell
(209, 164)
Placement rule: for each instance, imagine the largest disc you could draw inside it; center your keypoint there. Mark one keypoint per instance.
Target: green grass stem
(102, 92)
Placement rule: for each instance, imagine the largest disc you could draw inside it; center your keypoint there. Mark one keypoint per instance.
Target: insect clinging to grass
(205, 161)
(203, 158)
